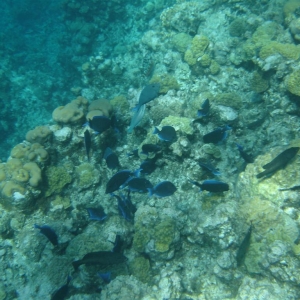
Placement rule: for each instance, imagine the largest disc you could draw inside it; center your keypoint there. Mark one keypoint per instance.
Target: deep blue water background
(37, 66)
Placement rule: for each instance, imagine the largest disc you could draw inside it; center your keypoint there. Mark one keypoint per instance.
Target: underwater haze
(150, 149)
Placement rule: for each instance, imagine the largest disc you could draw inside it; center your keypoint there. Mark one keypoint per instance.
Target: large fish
(103, 258)
(279, 162)
(148, 93)
(137, 117)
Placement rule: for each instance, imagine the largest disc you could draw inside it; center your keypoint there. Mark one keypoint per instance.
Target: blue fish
(213, 186)
(97, 214)
(204, 110)
(163, 189)
(149, 93)
(87, 143)
(49, 233)
(247, 157)
(217, 135)
(148, 166)
(119, 180)
(167, 133)
(117, 244)
(210, 168)
(111, 158)
(106, 277)
(137, 117)
(125, 207)
(140, 185)
(100, 123)
(62, 292)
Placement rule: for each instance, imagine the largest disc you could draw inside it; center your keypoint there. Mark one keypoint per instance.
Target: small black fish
(163, 189)
(106, 277)
(125, 207)
(150, 148)
(167, 133)
(148, 166)
(103, 258)
(148, 93)
(247, 157)
(242, 251)
(97, 214)
(111, 158)
(100, 123)
(62, 292)
(204, 110)
(279, 162)
(293, 188)
(49, 233)
(117, 244)
(207, 166)
(217, 135)
(87, 143)
(119, 179)
(213, 186)
(140, 185)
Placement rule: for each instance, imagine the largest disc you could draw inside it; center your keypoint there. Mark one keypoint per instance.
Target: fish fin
(37, 226)
(150, 192)
(200, 113)
(76, 264)
(155, 131)
(137, 172)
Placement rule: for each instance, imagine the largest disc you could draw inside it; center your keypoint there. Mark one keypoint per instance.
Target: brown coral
(72, 113)
(39, 134)
(99, 107)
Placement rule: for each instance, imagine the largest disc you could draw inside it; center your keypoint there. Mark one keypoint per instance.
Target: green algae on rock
(258, 83)
(181, 41)
(56, 179)
(164, 234)
(167, 82)
(87, 175)
(140, 267)
(292, 83)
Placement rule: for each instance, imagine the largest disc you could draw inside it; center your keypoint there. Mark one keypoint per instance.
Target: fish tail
(137, 172)
(150, 192)
(239, 146)
(155, 131)
(69, 278)
(76, 264)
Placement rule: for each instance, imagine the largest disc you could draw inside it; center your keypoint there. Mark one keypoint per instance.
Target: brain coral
(73, 112)
(39, 134)
(100, 107)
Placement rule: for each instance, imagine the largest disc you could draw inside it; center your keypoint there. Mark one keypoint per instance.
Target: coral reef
(73, 112)
(186, 245)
